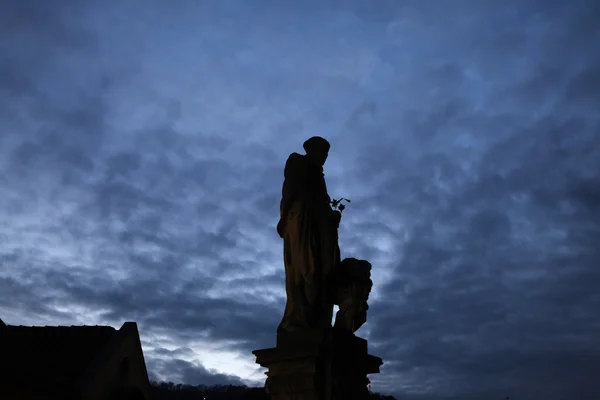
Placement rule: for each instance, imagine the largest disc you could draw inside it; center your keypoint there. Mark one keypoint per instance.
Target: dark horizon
(135, 135)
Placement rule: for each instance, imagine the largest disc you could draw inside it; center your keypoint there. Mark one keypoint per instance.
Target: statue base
(319, 364)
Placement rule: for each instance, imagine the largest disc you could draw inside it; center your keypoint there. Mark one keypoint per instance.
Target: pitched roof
(49, 356)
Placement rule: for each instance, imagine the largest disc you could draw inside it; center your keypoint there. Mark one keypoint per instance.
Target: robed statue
(308, 226)
(313, 359)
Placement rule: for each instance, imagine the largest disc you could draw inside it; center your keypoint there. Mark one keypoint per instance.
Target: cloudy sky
(142, 145)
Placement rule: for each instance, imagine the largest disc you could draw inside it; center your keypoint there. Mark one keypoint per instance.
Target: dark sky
(142, 145)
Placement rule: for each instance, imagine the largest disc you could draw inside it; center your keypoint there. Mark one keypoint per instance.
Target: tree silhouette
(172, 391)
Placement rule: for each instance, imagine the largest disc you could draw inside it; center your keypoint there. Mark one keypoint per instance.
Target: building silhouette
(72, 362)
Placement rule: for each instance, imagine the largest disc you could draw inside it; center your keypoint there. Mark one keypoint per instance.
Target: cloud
(141, 162)
(188, 372)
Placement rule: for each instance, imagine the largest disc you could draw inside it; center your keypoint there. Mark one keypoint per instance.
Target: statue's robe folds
(308, 227)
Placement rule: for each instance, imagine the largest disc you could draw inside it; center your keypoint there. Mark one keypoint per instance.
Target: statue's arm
(292, 187)
(336, 215)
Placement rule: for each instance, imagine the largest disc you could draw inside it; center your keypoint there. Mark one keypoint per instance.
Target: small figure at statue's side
(353, 286)
(308, 227)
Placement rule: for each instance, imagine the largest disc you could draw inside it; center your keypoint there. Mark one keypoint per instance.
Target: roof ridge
(61, 326)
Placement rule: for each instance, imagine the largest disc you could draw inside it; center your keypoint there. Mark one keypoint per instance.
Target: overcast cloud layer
(141, 157)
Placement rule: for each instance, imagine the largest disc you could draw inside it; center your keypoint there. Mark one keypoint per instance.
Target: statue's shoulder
(295, 157)
(295, 160)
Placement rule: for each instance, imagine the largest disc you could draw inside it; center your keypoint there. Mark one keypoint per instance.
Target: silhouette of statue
(308, 226)
(312, 359)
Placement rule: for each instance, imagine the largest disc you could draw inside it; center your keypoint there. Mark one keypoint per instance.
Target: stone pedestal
(327, 364)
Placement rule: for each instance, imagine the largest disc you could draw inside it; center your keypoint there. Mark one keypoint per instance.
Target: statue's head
(317, 149)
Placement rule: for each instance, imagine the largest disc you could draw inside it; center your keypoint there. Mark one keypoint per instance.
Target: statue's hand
(337, 217)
